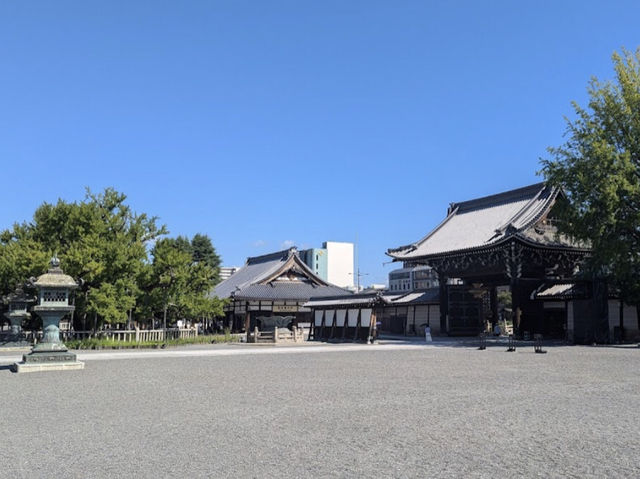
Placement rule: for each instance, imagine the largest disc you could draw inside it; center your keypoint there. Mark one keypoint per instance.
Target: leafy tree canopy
(103, 243)
(599, 170)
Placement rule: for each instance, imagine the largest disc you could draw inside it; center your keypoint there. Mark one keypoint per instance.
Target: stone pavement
(405, 410)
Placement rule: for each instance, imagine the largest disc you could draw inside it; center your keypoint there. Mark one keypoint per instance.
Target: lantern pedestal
(50, 354)
(15, 338)
(18, 303)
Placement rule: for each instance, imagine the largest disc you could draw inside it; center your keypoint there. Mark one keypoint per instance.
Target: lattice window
(54, 296)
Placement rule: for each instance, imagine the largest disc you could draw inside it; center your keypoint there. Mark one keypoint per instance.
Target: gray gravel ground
(429, 412)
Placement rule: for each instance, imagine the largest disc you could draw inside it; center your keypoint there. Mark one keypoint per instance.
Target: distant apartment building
(334, 262)
(316, 260)
(226, 271)
(410, 278)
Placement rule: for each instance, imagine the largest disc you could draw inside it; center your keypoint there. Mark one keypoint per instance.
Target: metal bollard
(537, 345)
(511, 346)
(483, 342)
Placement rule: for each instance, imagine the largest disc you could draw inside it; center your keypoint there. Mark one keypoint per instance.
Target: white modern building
(340, 263)
(226, 271)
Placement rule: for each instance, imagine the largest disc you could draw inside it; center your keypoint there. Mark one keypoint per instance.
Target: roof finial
(55, 262)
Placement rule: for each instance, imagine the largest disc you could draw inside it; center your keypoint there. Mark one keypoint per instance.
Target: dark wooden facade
(508, 240)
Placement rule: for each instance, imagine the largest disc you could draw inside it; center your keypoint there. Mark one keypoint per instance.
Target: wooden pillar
(358, 319)
(322, 321)
(515, 307)
(494, 304)
(333, 324)
(621, 320)
(372, 325)
(444, 303)
(346, 323)
(414, 320)
(600, 312)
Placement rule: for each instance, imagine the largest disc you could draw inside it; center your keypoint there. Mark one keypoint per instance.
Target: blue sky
(266, 123)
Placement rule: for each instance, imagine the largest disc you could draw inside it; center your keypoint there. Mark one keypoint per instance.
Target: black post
(444, 302)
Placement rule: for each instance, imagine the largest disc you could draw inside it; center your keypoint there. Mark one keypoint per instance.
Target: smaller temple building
(566, 303)
(275, 286)
(363, 316)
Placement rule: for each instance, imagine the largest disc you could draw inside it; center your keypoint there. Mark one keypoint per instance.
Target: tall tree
(99, 240)
(178, 285)
(102, 242)
(204, 252)
(599, 169)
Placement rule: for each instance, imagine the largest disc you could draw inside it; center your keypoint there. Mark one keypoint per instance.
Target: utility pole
(358, 275)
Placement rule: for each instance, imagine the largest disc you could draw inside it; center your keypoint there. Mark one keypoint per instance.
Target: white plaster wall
(352, 320)
(424, 314)
(630, 321)
(340, 263)
(365, 318)
(570, 320)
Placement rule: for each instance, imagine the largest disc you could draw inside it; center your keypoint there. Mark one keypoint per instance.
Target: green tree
(104, 244)
(204, 252)
(20, 260)
(100, 241)
(599, 170)
(177, 285)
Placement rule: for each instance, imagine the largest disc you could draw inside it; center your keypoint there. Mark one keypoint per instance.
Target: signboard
(285, 309)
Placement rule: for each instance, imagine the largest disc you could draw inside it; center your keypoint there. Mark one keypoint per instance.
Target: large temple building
(508, 241)
(272, 286)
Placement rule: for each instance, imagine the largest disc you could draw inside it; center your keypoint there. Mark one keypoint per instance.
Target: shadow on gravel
(491, 343)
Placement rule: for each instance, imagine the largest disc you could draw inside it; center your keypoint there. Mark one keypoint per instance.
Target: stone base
(12, 340)
(15, 344)
(47, 361)
(37, 367)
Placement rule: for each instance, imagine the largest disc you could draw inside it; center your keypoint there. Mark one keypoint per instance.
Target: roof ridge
(520, 213)
(548, 204)
(271, 256)
(504, 196)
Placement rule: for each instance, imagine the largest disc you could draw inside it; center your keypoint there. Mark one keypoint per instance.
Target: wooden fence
(120, 335)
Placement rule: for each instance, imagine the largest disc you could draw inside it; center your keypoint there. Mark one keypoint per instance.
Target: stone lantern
(54, 288)
(18, 303)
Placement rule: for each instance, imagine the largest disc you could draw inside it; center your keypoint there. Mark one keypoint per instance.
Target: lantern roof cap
(18, 295)
(55, 277)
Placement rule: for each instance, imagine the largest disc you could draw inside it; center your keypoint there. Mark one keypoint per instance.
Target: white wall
(340, 263)
(630, 321)
(424, 314)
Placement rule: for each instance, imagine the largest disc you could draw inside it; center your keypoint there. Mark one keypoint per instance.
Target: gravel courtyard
(403, 412)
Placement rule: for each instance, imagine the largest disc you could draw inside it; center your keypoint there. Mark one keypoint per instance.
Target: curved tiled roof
(301, 291)
(257, 279)
(487, 221)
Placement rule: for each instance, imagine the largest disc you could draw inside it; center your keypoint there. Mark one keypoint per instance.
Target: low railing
(120, 335)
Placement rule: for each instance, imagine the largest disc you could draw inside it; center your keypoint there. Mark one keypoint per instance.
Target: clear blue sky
(267, 122)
